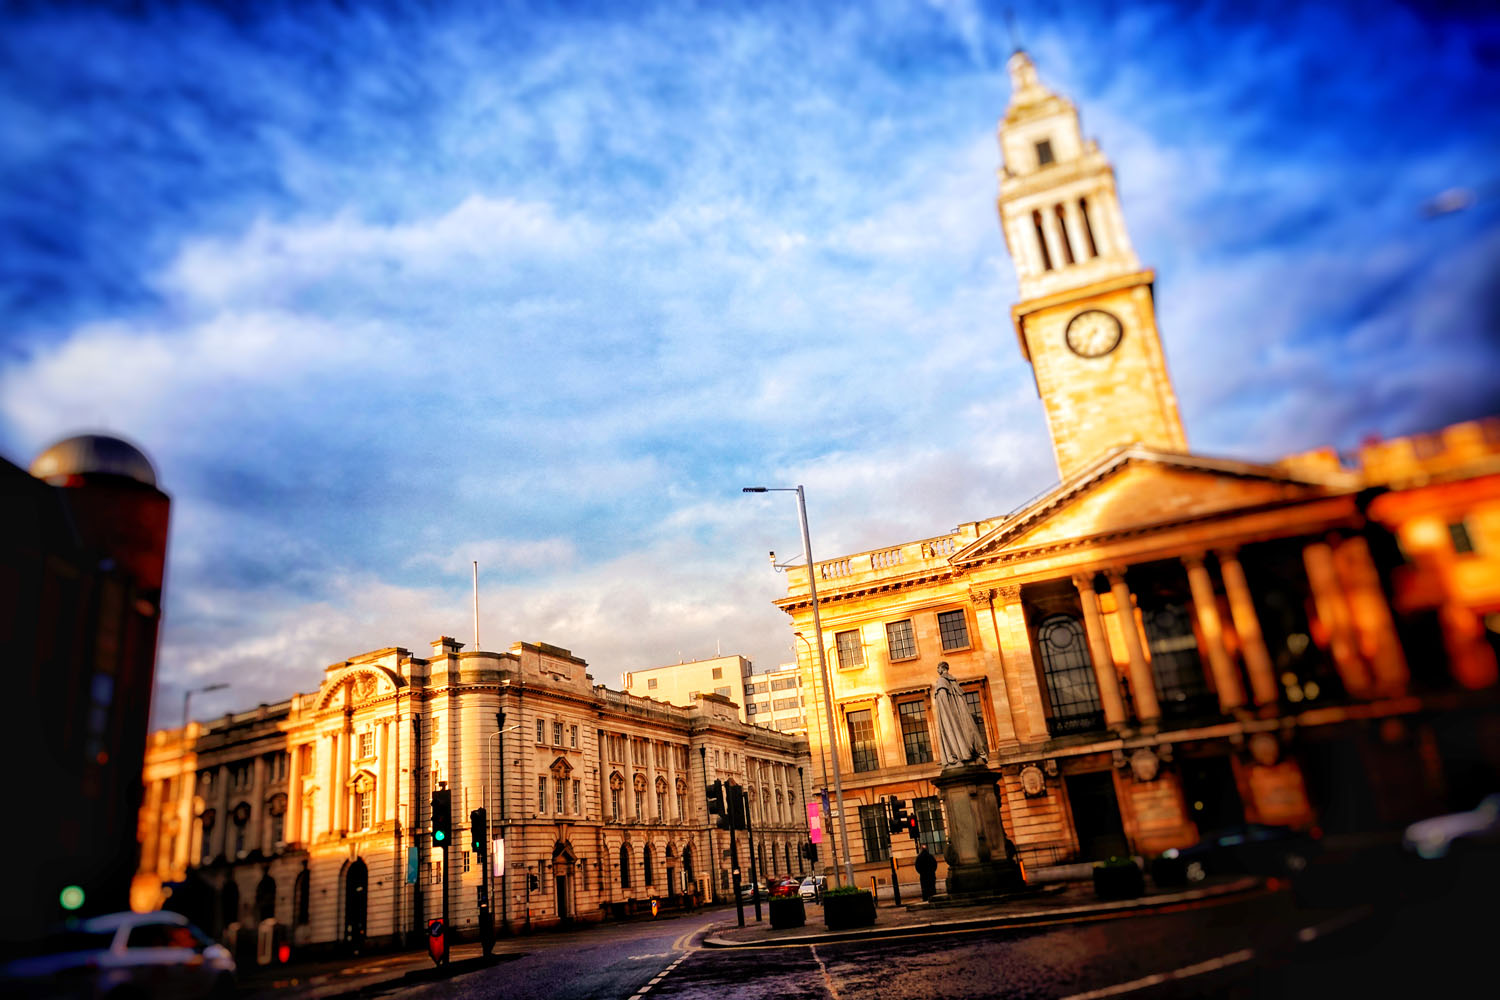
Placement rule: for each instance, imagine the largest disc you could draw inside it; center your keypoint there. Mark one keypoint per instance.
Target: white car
(157, 955)
(812, 887)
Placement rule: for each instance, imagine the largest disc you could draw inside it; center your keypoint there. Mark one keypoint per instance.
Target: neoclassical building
(1164, 643)
(315, 811)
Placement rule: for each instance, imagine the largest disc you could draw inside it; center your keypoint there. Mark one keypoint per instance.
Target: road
(1261, 946)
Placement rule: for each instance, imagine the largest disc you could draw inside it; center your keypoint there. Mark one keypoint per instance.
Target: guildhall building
(1164, 643)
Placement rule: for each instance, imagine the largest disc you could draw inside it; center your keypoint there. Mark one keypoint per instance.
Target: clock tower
(1086, 319)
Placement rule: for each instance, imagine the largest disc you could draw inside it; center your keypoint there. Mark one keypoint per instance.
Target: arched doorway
(356, 899)
(265, 899)
(687, 867)
(563, 862)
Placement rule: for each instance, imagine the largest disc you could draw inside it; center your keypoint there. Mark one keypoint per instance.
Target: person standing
(927, 872)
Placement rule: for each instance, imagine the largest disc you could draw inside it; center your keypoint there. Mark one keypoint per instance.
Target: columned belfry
(1086, 319)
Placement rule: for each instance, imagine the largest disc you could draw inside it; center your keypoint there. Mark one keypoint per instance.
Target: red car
(784, 887)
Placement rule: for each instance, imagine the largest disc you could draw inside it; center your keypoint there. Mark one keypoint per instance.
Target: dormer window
(1044, 153)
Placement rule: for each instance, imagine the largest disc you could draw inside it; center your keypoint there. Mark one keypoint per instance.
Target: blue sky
(383, 290)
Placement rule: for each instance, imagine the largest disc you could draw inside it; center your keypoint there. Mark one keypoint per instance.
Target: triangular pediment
(1133, 488)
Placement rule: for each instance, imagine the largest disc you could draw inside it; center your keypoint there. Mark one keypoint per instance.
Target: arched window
(300, 904)
(661, 799)
(649, 866)
(616, 788)
(640, 798)
(625, 866)
(681, 799)
(265, 899)
(1070, 675)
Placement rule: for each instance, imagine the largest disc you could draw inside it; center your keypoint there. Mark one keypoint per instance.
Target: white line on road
(1338, 923)
(827, 979)
(1186, 972)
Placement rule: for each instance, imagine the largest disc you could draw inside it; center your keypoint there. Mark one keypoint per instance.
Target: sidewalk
(1051, 901)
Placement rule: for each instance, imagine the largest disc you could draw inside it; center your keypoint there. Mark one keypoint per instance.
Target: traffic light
(716, 804)
(531, 883)
(442, 817)
(900, 820)
(911, 828)
(739, 807)
(810, 851)
(479, 833)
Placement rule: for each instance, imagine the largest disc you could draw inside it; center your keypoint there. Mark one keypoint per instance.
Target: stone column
(1104, 663)
(257, 838)
(1019, 669)
(1333, 613)
(382, 770)
(1147, 708)
(983, 600)
(294, 797)
(1372, 624)
(1247, 627)
(186, 844)
(1206, 604)
(221, 812)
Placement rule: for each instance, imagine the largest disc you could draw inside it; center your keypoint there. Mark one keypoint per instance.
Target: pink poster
(814, 823)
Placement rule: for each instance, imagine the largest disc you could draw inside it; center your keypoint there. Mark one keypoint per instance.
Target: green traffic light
(71, 897)
(439, 835)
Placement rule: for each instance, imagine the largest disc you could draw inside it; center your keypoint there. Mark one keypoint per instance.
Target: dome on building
(93, 454)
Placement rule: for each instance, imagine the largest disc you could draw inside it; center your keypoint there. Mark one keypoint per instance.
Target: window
(466, 861)
(559, 790)
(557, 734)
(914, 735)
(1458, 532)
(850, 652)
(275, 766)
(954, 630)
(541, 731)
(874, 825)
(782, 704)
(681, 805)
(1070, 675)
(1175, 665)
(929, 814)
(862, 740)
(366, 744)
(1044, 153)
(648, 859)
(1088, 229)
(784, 683)
(900, 640)
(718, 673)
(640, 803)
(624, 866)
(751, 709)
(301, 905)
(577, 796)
(1041, 240)
(751, 688)
(724, 691)
(651, 684)
(661, 801)
(614, 802)
(573, 737)
(435, 872)
(362, 808)
(278, 827)
(976, 710)
(541, 795)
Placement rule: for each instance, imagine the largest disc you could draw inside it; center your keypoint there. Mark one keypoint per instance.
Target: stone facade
(1163, 643)
(315, 811)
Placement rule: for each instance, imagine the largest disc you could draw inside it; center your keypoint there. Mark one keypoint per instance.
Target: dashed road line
(684, 944)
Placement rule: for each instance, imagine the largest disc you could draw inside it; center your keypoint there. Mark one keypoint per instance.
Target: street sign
(413, 864)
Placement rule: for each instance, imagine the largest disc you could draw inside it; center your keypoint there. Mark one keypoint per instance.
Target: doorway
(1096, 816)
(1213, 798)
(356, 882)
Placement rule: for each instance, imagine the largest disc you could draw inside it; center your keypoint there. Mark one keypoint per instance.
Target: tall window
(954, 630)
(648, 859)
(901, 640)
(862, 740)
(541, 795)
(1062, 235)
(573, 737)
(300, 903)
(366, 744)
(1041, 240)
(559, 791)
(614, 802)
(850, 652)
(1088, 229)
(557, 734)
(624, 866)
(1174, 661)
(976, 711)
(1044, 152)
(362, 808)
(541, 731)
(577, 796)
(661, 799)
(929, 814)
(873, 823)
(640, 803)
(1070, 675)
(914, 735)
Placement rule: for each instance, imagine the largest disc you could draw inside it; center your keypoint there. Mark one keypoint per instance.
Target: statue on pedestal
(959, 740)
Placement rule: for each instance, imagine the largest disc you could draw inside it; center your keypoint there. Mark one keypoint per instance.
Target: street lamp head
(753, 489)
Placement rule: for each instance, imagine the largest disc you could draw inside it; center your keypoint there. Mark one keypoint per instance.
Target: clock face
(1093, 333)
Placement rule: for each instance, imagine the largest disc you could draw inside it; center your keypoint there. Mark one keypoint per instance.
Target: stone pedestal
(980, 856)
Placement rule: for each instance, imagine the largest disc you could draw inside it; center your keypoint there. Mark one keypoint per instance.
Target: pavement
(1049, 903)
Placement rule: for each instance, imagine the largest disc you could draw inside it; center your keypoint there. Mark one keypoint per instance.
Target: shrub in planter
(1118, 878)
(788, 911)
(848, 906)
(1169, 870)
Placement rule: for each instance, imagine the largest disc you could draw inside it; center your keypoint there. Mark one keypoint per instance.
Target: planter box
(844, 910)
(788, 912)
(1122, 880)
(1168, 872)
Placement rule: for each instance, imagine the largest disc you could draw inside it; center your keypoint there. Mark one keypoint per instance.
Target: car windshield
(63, 942)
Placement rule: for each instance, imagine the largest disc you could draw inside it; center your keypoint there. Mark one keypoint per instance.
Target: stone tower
(1086, 319)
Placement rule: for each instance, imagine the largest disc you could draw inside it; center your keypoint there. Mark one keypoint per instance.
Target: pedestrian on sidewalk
(927, 872)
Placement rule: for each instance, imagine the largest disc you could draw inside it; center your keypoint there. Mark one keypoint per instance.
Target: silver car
(123, 955)
(812, 888)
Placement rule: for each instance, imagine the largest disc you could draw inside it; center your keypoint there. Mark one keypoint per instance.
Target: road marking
(1186, 972)
(659, 954)
(827, 979)
(661, 975)
(1338, 923)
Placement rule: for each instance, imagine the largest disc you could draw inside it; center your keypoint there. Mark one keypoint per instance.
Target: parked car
(1244, 849)
(123, 954)
(812, 888)
(785, 887)
(747, 890)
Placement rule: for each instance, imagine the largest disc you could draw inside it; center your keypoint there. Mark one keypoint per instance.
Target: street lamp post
(498, 823)
(812, 588)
